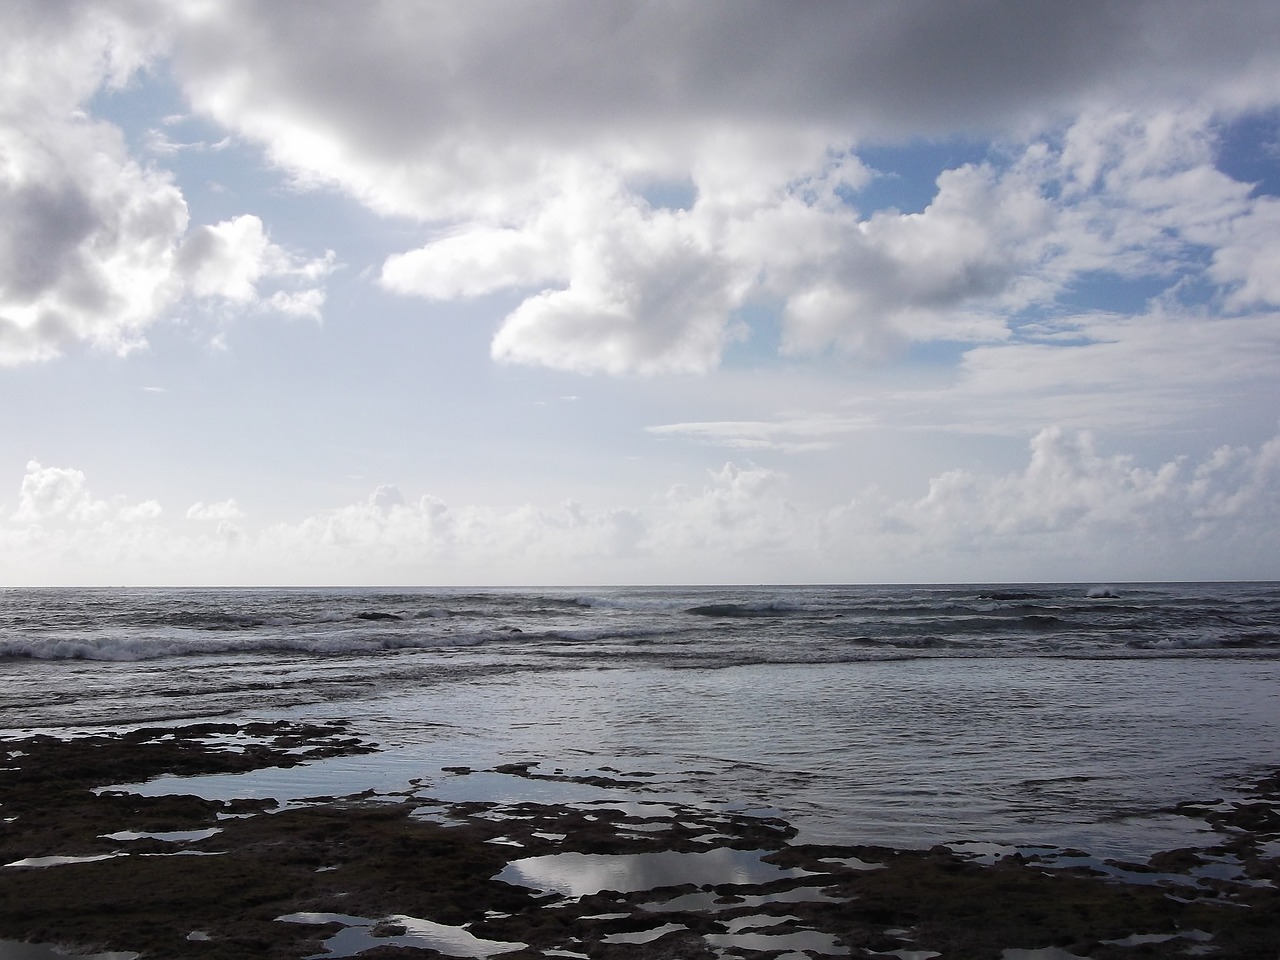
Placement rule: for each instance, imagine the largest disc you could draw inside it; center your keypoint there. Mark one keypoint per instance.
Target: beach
(162, 872)
(636, 775)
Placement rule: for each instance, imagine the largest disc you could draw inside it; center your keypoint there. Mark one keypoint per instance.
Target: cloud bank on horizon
(1018, 263)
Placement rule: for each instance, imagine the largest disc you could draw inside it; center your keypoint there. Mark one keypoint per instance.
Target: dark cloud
(45, 225)
(400, 77)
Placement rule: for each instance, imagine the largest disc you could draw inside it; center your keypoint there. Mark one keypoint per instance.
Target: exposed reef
(93, 865)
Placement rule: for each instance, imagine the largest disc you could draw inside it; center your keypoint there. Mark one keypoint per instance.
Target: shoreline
(444, 868)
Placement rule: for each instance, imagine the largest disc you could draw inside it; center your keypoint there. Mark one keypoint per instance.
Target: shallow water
(582, 874)
(903, 716)
(359, 934)
(1065, 752)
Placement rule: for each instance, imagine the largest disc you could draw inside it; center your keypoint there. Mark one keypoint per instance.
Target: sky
(654, 291)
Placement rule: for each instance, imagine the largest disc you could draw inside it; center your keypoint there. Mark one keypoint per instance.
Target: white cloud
(1164, 368)
(227, 259)
(219, 511)
(146, 512)
(1071, 512)
(645, 295)
(739, 511)
(679, 178)
(1247, 258)
(53, 492)
(1090, 511)
(86, 232)
(87, 241)
(533, 172)
(789, 434)
(475, 262)
(93, 242)
(59, 496)
(231, 260)
(629, 288)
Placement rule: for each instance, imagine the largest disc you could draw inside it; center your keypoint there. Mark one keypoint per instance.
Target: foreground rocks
(401, 875)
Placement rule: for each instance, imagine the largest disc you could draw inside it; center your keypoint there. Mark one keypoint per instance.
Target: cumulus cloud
(221, 510)
(60, 495)
(94, 243)
(1160, 522)
(1072, 509)
(87, 243)
(545, 175)
(677, 179)
(230, 261)
(55, 492)
(1247, 256)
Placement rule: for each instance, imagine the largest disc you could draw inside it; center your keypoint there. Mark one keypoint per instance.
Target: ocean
(1071, 715)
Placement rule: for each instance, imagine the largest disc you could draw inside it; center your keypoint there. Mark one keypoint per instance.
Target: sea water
(1069, 715)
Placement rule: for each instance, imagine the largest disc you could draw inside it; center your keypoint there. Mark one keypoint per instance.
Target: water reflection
(360, 934)
(582, 874)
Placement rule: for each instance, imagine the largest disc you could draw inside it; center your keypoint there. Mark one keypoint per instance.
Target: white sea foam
(979, 713)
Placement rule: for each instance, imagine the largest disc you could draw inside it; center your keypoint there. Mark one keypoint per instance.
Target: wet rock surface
(404, 875)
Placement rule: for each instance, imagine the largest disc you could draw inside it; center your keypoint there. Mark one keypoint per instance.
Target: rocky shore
(94, 867)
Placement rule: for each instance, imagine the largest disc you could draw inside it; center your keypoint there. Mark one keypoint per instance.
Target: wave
(135, 648)
(769, 609)
(776, 623)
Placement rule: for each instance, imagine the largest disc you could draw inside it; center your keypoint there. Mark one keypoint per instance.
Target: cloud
(231, 260)
(1089, 508)
(87, 241)
(1072, 511)
(1247, 258)
(87, 235)
(221, 510)
(636, 289)
(465, 112)
(788, 435)
(53, 492)
(543, 175)
(94, 243)
(60, 496)
(1169, 366)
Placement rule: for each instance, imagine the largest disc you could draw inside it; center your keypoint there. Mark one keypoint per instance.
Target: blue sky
(640, 292)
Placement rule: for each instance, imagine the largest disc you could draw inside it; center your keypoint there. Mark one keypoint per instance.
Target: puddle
(59, 861)
(1140, 939)
(360, 934)
(582, 874)
(852, 863)
(799, 941)
(172, 836)
(334, 777)
(644, 936)
(392, 773)
(739, 924)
